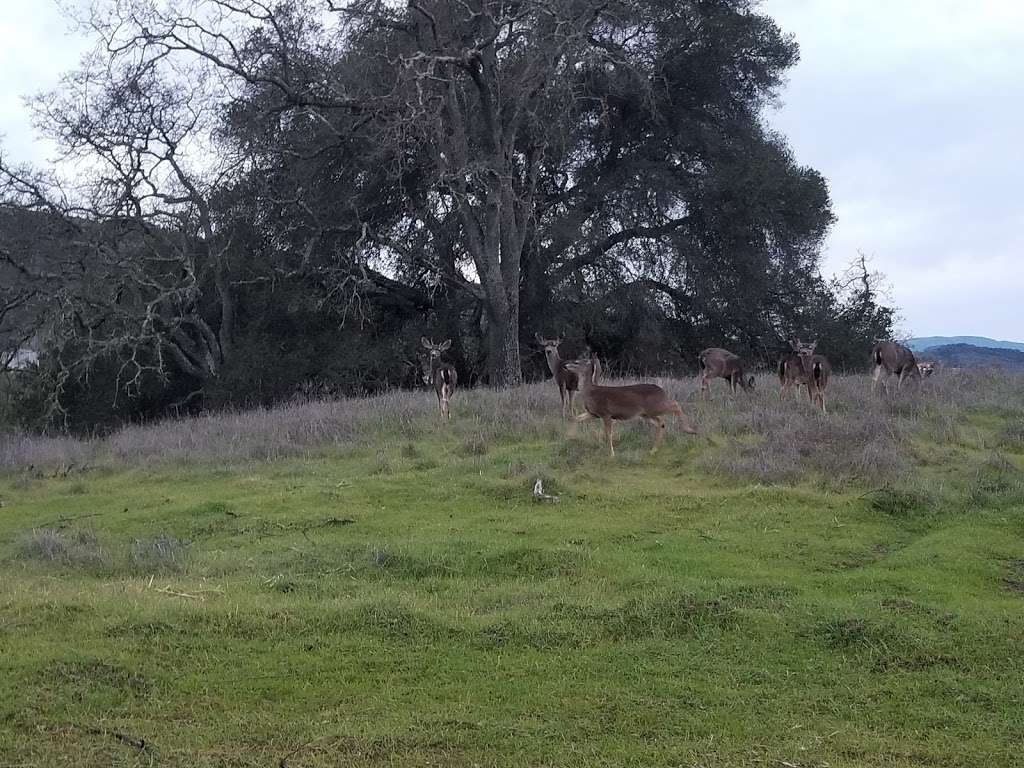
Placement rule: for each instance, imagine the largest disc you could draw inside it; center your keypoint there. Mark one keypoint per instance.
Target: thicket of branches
(260, 197)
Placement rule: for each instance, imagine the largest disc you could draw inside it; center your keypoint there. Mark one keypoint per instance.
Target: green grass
(401, 599)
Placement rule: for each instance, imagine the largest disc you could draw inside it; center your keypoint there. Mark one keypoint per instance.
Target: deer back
(720, 363)
(625, 402)
(893, 357)
(443, 376)
(790, 368)
(817, 371)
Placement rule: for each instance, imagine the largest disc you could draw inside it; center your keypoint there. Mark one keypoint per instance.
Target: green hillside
(353, 583)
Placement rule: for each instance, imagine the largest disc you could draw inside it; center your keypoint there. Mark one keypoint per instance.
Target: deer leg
(561, 394)
(608, 434)
(659, 432)
(875, 378)
(572, 396)
(705, 387)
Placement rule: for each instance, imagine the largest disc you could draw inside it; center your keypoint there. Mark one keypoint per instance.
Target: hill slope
(968, 355)
(925, 342)
(355, 583)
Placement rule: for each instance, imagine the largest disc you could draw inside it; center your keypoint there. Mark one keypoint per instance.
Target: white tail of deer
(802, 367)
(609, 404)
(718, 363)
(567, 381)
(439, 374)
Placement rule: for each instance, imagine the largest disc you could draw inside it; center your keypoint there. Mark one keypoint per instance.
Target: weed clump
(996, 483)
(161, 554)
(1011, 436)
(79, 548)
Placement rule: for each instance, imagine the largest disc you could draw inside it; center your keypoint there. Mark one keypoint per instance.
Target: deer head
(548, 345)
(434, 352)
(583, 368)
(804, 349)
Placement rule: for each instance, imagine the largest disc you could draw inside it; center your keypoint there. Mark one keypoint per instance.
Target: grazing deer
(609, 404)
(441, 375)
(802, 367)
(717, 363)
(567, 381)
(926, 368)
(892, 359)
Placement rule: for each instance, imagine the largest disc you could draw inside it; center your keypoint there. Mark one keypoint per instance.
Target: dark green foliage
(645, 208)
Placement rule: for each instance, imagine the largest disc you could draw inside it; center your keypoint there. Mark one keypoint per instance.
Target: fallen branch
(174, 593)
(130, 741)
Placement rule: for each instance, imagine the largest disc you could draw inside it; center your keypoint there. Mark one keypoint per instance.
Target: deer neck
(586, 379)
(554, 361)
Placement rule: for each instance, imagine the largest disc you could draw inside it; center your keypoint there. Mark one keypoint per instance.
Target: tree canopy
(254, 175)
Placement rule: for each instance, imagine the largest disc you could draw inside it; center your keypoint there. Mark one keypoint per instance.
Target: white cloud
(912, 110)
(36, 47)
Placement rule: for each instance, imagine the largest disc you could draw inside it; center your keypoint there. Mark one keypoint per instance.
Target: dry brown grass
(759, 437)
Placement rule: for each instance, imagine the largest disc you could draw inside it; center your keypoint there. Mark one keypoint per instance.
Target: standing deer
(718, 363)
(609, 404)
(802, 367)
(440, 375)
(892, 359)
(567, 381)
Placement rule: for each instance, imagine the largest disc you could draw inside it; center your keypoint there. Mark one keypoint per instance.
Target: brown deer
(440, 375)
(802, 367)
(567, 381)
(892, 359)
(718, 363)
(609, 404)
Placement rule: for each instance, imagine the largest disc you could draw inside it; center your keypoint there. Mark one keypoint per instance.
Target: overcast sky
(912, 109)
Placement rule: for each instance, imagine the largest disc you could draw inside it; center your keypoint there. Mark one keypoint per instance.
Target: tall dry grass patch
(759, 437)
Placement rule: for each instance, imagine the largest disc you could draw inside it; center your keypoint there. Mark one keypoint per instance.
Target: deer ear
(426, 343)
(447, 343)
(537, 336)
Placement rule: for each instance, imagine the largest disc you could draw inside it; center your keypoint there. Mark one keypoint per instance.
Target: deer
(802, 367)
(439, 374)
(893, 359)
(718, 363)
(622, 403)
(567, 381)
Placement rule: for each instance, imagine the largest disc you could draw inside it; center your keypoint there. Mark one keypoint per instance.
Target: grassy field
(353, 583)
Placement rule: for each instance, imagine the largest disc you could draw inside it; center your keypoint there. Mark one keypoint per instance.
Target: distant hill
(969, 355)
(925, 342)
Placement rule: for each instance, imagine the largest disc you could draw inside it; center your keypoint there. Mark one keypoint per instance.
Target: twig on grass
(128, 740)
